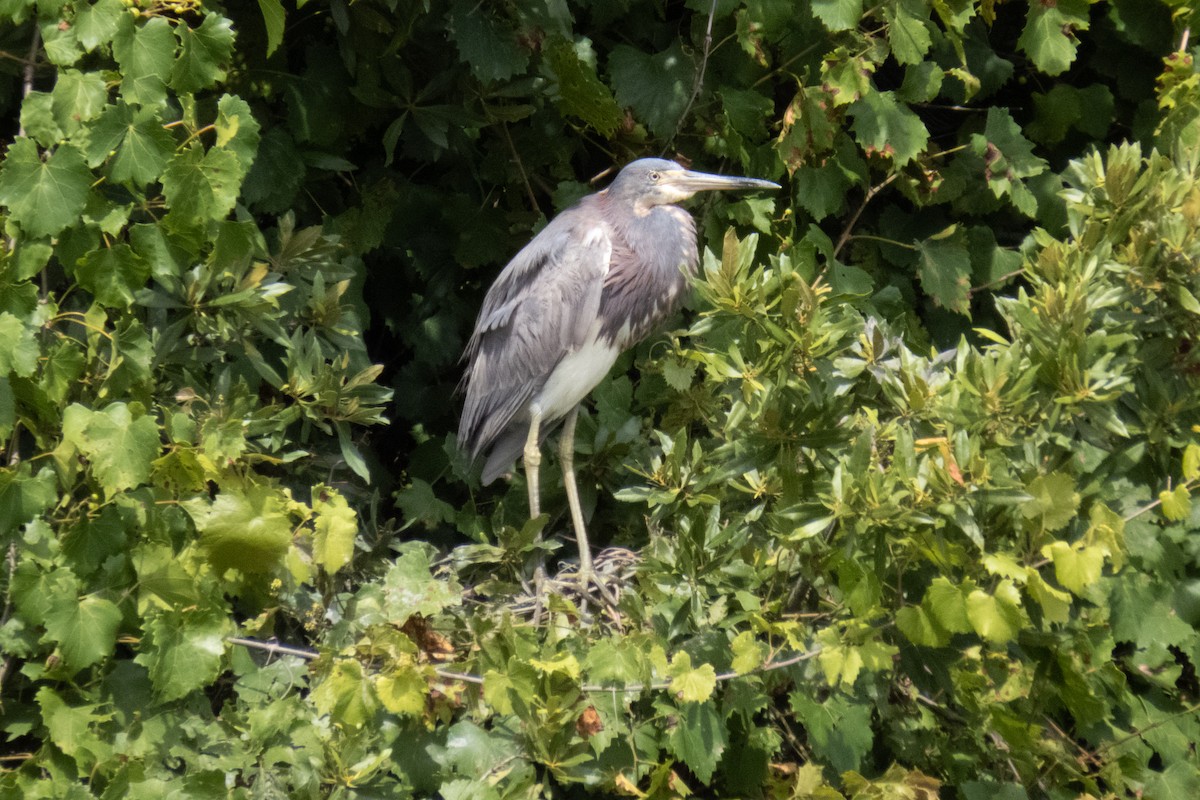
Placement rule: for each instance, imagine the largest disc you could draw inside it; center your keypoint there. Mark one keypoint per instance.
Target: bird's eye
(654, 176)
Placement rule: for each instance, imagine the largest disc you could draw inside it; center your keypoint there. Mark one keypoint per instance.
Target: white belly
(575, 376)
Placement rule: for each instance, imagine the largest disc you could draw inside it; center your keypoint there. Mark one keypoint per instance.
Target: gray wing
(540, 308)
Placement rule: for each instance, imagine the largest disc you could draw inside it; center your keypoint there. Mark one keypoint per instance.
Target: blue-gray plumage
(595, 281)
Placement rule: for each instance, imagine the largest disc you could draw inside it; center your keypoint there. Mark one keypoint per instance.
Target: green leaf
(1176, 503)
(838, 15)
(119, 447)
(403, 691)
(77, 97)
(699, 739)
(60, 44)
(920, 628)
(908, 33)
(18, 347)
(678, 373)
(247, 529)
(839, 729)
(748, 653)
(580, 92)
(23, 495)
(183, 650)
(488, 47)
(237, 130)
(275, 19)
(71, 728)
(655, 86)
(947, 605)
(334, 528)
(1049, 38)
(1008, 159)
(1054, 500)
(135, 140)
(410, 588)
(996, 617)
(96, 23)
(85, 629)
(145, 54)
(203, 53)
(885, 127)
(346, 695)
(1077, 566)
(202, 186)
(44, 196)
(113, 275)
(688, 684)
(945, 272)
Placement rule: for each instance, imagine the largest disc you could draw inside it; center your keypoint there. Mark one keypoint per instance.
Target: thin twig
(533, 203)
(466, 677)
(698, 83)
(867, 198)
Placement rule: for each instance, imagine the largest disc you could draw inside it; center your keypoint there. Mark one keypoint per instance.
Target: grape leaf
(838, 15)
(183, 650)
(113, 274)
(44, 196)
(884, 126)
(1049, 36)
(691, 685)
(908, 33)
(202, 186)
(85, 629)
(580, 92)
(346, 695)
(119, 447)
(945, 271)
(145, 54)
(335, 527)
(699, 738)
(243, 528)
(96, 23)
(77, 97)
(996, 617)
(274, 19)
(655, 86)
(491, 51)
(136, 141)
(202, 53)
(18, 347)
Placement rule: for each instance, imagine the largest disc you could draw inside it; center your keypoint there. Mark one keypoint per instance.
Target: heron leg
(566, 454)
(533, 460)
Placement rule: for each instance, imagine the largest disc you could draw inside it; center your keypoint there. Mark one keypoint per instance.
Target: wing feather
(541, 307)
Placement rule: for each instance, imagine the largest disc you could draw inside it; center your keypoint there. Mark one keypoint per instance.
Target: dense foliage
(898, 508)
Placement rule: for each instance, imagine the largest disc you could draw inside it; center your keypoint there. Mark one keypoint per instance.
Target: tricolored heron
(596, 280)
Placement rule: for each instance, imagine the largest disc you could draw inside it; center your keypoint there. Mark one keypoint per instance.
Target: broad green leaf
(580, 92)
(334, 527)
(838, 15)
(678, 374)
(748, 653)
(1054, 501)
(1049, 34)
(1176, 503)
(1075, 567)
(1191, 462)
(60, 44)
(74, 729)
(247, 529)
(183, 650)
(203, 53)
(908, 33)
(119, 447)
(113, 275)
(563, 664)
(145, 53)
(274, 18)
(886, 127)
(655, 86)
(688, 684)
(838, 728)
(136, 142)
(410, 588)
(916, 624)
(1056, 604)
(24, 495)
(699, 738)
(1008, 159)
(945, 272)
(39, 121)
(237, 130)
(346, 694)
(44, 196)
(485, 44)
(18, 347)
(403, 691)
(77, 97)
(202, 186)
(96, 23)
(85, 629)
(947, 605)
(996, 617)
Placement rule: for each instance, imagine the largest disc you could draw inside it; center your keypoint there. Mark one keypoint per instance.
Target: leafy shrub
(901, 506)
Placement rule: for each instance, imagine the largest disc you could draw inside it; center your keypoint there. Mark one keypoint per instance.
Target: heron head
(650, 182)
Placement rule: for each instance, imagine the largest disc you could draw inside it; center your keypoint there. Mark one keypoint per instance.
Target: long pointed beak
(688, 181)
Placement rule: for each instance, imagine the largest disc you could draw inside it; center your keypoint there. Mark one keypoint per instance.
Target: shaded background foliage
(930, 422)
